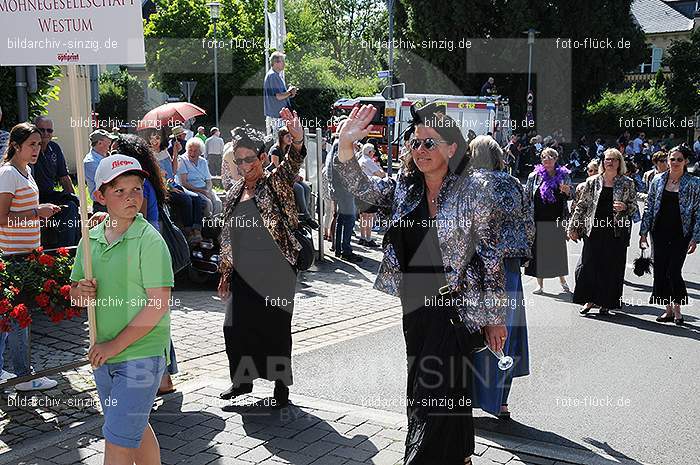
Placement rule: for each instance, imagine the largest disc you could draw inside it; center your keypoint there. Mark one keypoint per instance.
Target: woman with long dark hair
(258, 257)
(603, 219)
(548, 189)
(441, 257)
(672, 216)
(154, 191)
(20, 217)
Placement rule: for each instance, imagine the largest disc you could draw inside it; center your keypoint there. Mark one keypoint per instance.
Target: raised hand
(355, 128)
(291, 119)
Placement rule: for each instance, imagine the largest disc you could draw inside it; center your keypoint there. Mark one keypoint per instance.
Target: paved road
(623, 385)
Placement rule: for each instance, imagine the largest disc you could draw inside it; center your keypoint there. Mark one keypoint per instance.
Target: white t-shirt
(214, 146)
(20, 235)
(368, 165)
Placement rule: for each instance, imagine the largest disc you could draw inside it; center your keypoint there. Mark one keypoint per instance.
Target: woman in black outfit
(602, 217)
(672, 215)
(441, 257)
(259, 252)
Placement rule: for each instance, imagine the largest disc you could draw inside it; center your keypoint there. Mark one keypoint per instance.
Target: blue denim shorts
(127, 391)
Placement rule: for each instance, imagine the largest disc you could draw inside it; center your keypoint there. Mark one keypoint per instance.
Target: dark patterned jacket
(518, 230)
(688, 200)
(534, 181)
(469, 224)
(281, 179)
(584, 211)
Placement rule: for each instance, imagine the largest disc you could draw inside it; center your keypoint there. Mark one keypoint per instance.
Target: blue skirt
(491, 385)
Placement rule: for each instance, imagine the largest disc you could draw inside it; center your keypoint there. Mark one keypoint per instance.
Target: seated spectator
(188, 206)
(193, 174)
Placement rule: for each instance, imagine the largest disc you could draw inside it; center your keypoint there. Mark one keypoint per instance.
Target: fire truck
(476, 115)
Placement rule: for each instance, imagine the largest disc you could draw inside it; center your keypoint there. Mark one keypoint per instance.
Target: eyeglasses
(429, 143)
(548, 157)
(46, 130)
(612, 159)
(240, 161)
(679, 160)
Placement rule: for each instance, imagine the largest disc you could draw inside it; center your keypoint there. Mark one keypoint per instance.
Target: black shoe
(281, 395)
(584, 310)
(665, 318)
(351, 257)
(679, 321)
(235, 391)
(310, 222)
(337, 254)
(370, 243)
(362, 242)
(604, 311)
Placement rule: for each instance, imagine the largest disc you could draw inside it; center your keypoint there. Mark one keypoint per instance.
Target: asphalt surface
(623, 385)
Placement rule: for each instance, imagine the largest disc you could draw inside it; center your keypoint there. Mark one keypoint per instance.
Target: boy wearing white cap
(131, 291)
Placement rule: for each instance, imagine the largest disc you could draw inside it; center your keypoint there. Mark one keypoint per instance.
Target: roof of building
(654, 17)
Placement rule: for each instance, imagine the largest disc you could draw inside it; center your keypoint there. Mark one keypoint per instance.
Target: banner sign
(61, 32)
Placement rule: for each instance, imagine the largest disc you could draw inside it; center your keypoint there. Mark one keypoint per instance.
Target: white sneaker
(39, 384)
(538, 291)
(5, 375)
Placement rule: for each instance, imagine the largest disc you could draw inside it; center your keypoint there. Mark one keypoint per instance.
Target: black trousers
(669, 256)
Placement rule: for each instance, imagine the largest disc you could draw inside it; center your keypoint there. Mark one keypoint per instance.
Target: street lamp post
(214, 9)
(530, 42)
(390, 135)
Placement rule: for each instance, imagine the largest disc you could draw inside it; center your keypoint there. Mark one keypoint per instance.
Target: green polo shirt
(137, 261)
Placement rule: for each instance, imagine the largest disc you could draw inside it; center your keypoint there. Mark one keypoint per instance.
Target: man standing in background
(50, 169)
(276, 95)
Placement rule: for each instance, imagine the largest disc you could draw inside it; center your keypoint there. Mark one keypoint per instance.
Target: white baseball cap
(114, 165)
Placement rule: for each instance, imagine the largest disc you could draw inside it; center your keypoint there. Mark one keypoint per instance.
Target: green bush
(604, 116)
(121, 97)
(322, 81)
(37, 102)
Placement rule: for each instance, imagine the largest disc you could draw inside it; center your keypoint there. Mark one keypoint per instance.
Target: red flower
(2, 266)
(49, 284)
(5, 306)
(25, 321)
(65, 291)
(42, 299)
(18, 311)
(63, 251)
(14, 290)
(40, 249)
(47, 260)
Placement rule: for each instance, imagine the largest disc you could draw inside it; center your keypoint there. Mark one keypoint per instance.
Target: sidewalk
(195, 427)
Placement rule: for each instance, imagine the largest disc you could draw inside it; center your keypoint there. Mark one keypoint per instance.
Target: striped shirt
(20, 235)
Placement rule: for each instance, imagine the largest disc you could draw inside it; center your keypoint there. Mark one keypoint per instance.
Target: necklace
(674, 181)
(249, 188)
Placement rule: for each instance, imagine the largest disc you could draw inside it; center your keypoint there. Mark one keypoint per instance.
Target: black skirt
(549, 253)
(670, 250)
(438, 349)
(258, 322)
(600, 273)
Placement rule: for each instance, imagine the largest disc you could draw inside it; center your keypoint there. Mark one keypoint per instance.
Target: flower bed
(35, 279)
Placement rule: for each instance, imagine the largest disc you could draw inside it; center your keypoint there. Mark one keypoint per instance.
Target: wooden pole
(80, 169)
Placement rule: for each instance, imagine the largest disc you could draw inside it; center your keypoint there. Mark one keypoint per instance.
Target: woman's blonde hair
(622, 169)
(549, 152)
(486, 153)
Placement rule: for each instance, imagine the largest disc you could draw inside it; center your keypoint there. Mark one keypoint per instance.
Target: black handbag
(305, 259)
(175, 239)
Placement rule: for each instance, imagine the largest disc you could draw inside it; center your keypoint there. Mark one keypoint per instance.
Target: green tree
(121, 96)
(593, 69)
(38, 101)
(683, 59)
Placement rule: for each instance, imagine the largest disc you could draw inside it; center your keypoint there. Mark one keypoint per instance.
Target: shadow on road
(521, 431)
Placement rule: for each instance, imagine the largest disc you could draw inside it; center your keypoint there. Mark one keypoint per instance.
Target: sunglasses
(679, 160)
(548, 157)
(612, 159)
(429, 143)
(47, 130)
(240, 161)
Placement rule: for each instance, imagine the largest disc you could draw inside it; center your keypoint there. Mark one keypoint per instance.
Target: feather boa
(550, 184)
